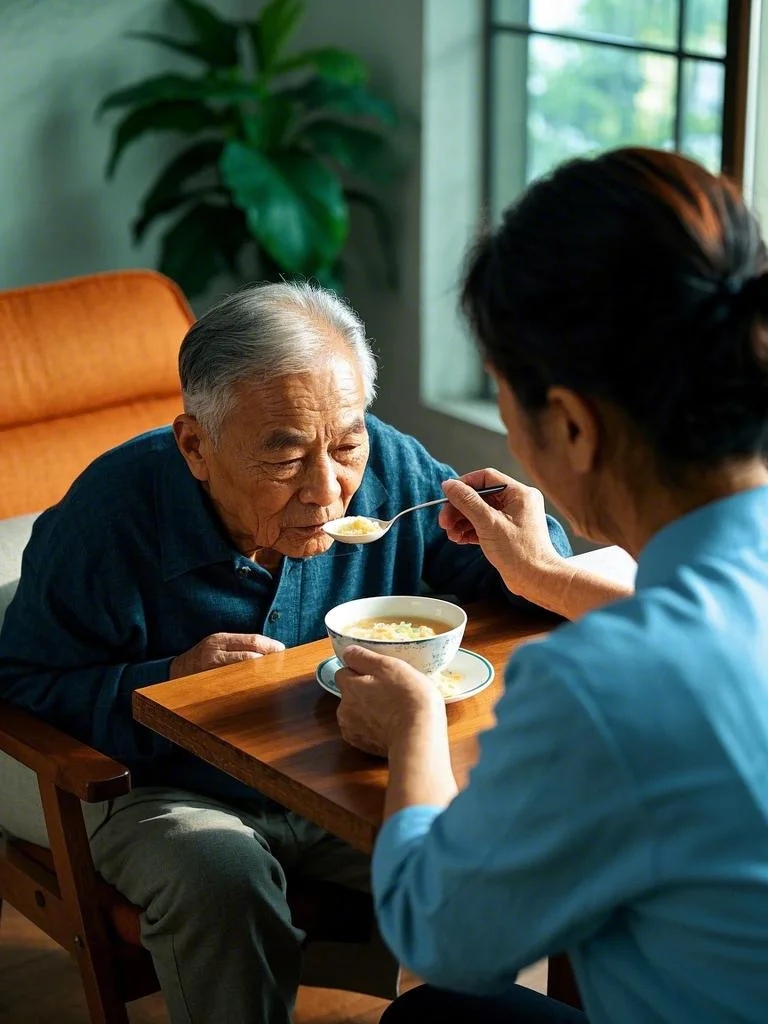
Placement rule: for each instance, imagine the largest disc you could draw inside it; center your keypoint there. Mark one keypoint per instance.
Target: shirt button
(243, 571)
(273, 616)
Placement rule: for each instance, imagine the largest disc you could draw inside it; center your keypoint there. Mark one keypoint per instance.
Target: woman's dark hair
(641, 279)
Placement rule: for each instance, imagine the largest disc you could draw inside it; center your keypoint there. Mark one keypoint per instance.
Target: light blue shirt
(619, 809)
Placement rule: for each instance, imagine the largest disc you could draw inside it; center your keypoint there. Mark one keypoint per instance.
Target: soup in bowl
(423, 631)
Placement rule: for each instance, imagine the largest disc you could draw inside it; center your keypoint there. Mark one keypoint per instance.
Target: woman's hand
(510, 527)
(381, 698)
(390, 709)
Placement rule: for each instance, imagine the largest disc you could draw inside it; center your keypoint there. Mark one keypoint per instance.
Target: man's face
(289, 457)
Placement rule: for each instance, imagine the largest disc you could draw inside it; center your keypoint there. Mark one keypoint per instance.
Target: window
(553, 79)
(574, 77)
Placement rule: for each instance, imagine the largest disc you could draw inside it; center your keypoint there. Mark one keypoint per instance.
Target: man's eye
(348, 449)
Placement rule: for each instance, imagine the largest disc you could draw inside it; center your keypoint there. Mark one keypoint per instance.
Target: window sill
(477, 411)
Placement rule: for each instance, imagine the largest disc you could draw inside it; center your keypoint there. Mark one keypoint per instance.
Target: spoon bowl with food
(365, 529)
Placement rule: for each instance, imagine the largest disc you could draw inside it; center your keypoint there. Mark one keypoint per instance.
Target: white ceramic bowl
(428, 655)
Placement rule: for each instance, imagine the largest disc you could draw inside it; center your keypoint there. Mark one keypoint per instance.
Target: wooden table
(268, 723)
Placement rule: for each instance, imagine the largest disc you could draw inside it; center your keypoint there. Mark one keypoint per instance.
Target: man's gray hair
(260, 332)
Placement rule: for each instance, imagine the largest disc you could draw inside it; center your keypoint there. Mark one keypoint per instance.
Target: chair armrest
(52, 755)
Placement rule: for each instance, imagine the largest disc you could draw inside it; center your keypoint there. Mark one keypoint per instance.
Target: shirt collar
(191, 533)
(716, 530)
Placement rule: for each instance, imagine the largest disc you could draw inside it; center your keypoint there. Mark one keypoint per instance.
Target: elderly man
(201, 545)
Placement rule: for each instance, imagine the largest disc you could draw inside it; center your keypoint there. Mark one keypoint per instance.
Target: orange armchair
(86, 364)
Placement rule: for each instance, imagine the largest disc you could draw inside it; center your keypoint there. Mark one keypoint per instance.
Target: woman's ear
(574, 422)
(192, 445)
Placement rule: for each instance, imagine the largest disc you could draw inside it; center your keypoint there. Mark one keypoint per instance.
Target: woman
(619, 808)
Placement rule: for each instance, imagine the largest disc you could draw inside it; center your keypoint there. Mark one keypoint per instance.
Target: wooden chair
(59, 890)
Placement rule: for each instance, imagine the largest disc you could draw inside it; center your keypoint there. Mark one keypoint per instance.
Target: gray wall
(58, 58)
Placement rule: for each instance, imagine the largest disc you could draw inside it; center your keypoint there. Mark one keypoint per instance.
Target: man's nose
(321, 486)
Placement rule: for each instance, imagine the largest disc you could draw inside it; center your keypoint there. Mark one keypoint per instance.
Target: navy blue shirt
(133, 567)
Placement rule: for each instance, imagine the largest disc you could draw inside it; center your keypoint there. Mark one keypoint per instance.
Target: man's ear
(577, 425)
(192, 445)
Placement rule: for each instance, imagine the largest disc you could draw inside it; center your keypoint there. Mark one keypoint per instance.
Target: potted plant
(281, 144)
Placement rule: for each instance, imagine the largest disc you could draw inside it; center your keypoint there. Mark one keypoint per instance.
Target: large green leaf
(294, 205)
(204, 242)
(383, 226)
(329, 62)
(174, 87)
(216, 38)
(268, 124)
(155, 90)
(358, 150)
(168, 190)
(275, 25)
(187, 118)
(320, 95)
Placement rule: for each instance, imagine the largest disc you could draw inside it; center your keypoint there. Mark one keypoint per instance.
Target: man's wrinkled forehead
(284, 438)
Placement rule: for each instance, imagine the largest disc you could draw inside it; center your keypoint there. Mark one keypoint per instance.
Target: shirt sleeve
(73, 644)
(532, 857)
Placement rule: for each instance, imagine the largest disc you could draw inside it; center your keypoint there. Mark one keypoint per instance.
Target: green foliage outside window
(583, 97)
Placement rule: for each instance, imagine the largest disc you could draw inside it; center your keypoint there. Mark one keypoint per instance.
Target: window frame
(735, 62)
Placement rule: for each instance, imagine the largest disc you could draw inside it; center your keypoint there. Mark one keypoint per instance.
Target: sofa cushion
(21, 810)
(87, 364)
(80, 439)
(88, 343)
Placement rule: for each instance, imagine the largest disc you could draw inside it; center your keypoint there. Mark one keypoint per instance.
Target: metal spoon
(376, 528)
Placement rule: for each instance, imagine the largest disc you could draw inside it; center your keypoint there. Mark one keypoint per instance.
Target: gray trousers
(211, 879)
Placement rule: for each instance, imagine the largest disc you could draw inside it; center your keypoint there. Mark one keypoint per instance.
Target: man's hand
(223, 649)
(381, 698)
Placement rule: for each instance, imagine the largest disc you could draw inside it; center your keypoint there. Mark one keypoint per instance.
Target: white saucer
(467, 675)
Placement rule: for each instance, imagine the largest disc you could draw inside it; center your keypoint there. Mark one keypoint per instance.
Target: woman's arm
(534, 855)
(512, 530)
(389, 708)
(569, 589)
(420, 772)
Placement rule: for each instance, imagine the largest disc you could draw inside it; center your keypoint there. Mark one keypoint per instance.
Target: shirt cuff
(398, 836)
